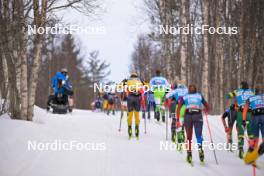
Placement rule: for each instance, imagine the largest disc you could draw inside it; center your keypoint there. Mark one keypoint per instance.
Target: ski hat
(244, 85)
(181, 86)
(158, 72)
(64, 70)
(133, 75)
(192, 89)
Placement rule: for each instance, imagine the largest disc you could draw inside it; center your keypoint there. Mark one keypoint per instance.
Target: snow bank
(120, 157)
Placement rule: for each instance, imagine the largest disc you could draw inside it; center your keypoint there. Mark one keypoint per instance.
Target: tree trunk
(241, 44)
(40, 12)
(183, 75)
(205, 68)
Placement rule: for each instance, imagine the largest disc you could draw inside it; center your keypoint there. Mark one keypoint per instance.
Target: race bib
(157, 101)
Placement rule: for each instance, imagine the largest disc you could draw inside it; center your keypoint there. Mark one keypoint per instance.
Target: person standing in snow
(193, 118)
(241, 95)
(256, 105)
(179, 91)
(134, 87)
(159, 85)
(229, 114)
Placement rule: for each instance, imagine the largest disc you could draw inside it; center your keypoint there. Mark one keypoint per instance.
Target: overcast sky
(123, 21)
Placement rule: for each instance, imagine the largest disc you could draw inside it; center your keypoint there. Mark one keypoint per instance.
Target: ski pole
(143, 105)
(145, 121)
(166, 112)
(120, 123)
(210, 134)
(122, 113)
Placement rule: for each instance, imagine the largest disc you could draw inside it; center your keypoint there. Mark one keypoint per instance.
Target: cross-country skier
(193, 118)
(229, 114)
(241, 95)
(159, 85)
(150, 102)
(255, 104)
(179, 92)
(111, 101)
(134, 87)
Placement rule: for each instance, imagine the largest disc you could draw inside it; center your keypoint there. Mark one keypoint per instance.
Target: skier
(255, 105)
(230, 113)
(171, 102)
(105, 102)
(62, 92)
(111, 102)
(150, 100)
(241, 95)
(180, 91)
(159, 85)
(134, 86)
(193, 118)
(97, 104)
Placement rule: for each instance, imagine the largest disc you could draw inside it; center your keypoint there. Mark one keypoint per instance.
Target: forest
(216, 63)
(28, 61)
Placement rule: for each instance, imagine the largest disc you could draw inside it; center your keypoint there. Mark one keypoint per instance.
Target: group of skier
(185, 105)
(248, 113)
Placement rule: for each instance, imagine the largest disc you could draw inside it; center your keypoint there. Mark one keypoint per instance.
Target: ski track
(121, 157)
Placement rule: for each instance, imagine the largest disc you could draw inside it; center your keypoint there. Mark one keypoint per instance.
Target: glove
(206, 110)
(244, 123)
(178, 124)
(63, 82)
(226, 129)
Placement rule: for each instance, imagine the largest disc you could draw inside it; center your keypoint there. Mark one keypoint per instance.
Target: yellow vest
(134, 85)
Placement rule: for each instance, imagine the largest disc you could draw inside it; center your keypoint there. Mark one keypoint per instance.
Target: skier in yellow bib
(134, 87)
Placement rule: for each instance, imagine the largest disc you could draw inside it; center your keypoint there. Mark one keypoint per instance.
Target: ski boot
(108, 112)
(173, 135)
(241, 152)
(129, 132)
(48, 108)
(180, 137)
(189, 157)
(113, 113)
(143, 115)
(148, 115)
(137, 131)
(163, 118)
(158, 116)
(230, 143)
(201, 154)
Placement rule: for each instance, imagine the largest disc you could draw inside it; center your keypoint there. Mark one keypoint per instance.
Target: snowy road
(121, 157)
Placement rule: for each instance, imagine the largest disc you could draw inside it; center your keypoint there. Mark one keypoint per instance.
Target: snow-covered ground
(121, 157)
